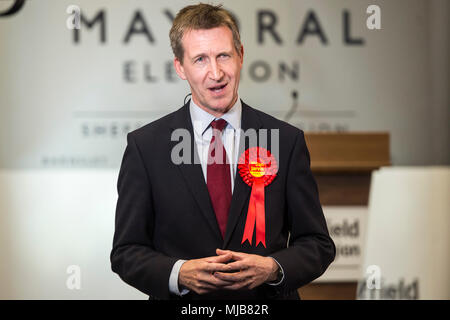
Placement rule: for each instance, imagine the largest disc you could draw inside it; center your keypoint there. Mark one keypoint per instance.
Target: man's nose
(215, 72)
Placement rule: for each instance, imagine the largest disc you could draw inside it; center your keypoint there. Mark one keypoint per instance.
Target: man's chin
(217, 106)
(221, 109)
(222, 106)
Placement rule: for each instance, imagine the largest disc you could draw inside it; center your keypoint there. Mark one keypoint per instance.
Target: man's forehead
(207, 30)
(220, 37)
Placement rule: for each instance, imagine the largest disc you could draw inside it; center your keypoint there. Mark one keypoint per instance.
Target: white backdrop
(54, 219)
(70, 104)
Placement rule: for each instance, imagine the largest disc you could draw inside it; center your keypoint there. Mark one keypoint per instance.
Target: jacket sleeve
(310, 250)
(133, 256)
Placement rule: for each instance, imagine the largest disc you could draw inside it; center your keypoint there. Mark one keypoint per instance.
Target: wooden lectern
(342, 164)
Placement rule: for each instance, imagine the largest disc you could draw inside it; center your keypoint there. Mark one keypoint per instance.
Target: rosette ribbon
(257, 167)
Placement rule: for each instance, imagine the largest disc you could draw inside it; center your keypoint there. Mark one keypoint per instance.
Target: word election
(267, 26)
(258, 71)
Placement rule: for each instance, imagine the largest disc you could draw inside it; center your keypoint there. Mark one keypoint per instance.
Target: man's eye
(199, 59)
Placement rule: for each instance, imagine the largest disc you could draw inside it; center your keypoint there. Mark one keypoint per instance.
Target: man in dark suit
(186, 211)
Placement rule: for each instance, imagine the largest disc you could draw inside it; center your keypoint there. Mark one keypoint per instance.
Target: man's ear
(242, 55)
(179, 68)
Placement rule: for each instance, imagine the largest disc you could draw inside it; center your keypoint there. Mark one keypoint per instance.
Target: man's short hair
(201, 16)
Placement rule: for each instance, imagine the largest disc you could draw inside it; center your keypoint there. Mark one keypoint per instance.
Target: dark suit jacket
(164, 212)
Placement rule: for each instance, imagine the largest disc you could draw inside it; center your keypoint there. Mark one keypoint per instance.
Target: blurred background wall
(68, 97)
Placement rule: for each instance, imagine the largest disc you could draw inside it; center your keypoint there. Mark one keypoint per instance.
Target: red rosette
(255, 157)
(257, 167)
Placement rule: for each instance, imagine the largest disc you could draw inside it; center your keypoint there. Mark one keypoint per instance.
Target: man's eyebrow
(198, 55)
(229, 52)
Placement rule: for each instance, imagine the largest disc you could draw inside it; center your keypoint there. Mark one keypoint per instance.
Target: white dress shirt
(201, 122)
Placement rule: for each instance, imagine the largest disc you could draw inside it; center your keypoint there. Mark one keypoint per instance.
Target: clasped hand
(228, 270)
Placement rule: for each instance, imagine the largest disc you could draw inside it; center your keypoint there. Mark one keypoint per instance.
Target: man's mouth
(218, 89)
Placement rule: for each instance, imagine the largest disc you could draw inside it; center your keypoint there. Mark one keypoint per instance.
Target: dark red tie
(218, 175)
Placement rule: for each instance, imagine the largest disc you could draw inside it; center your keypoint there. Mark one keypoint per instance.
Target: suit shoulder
(157, 126)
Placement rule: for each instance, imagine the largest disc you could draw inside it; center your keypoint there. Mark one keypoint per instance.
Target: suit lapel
(193, 173)
(241, 192)
(195, 180)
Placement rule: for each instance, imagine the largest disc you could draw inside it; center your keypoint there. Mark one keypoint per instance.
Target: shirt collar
(201, 119)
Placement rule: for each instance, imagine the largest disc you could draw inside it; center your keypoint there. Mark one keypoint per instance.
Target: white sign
(347, 226)
(408, 236)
